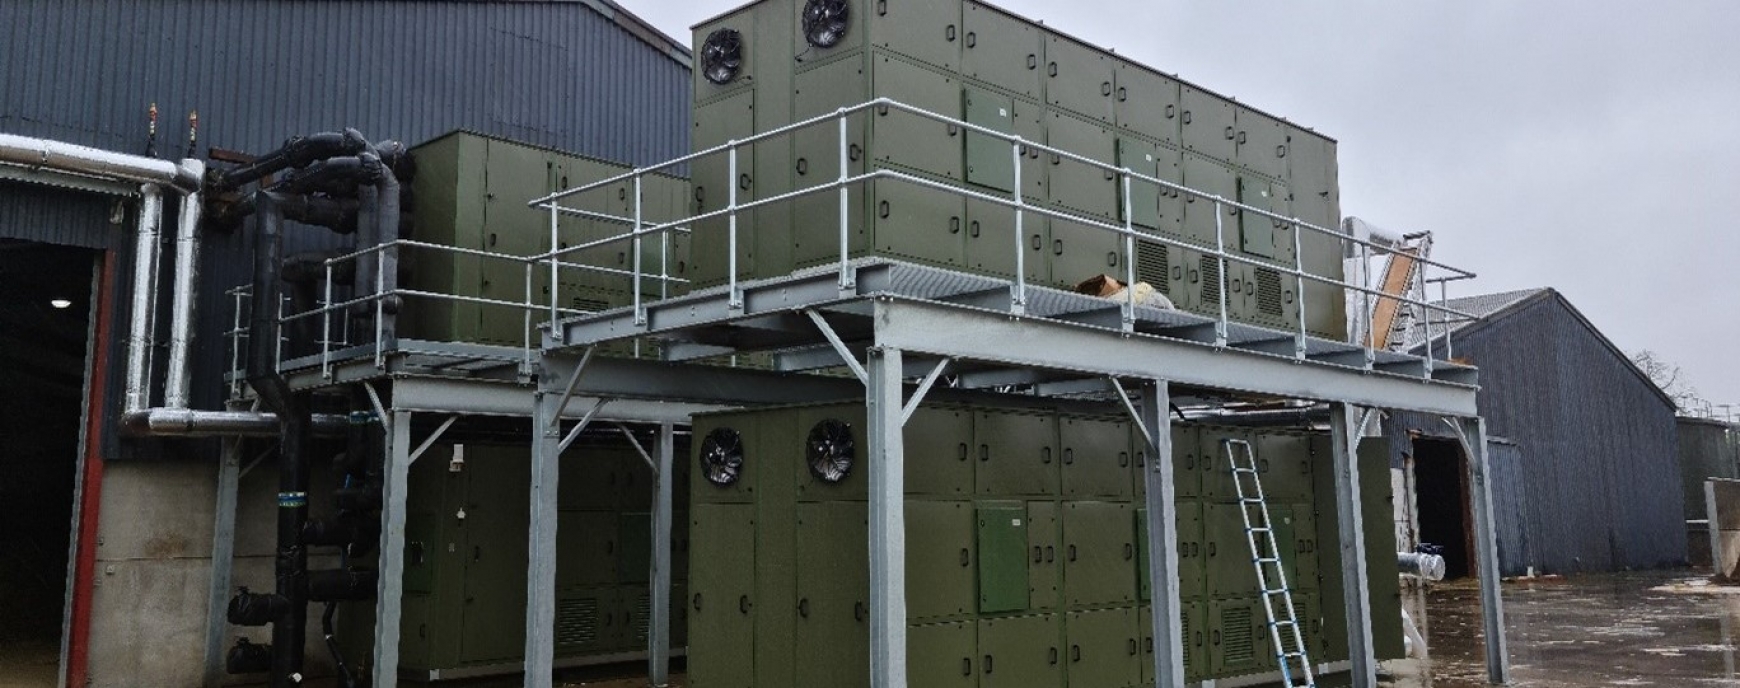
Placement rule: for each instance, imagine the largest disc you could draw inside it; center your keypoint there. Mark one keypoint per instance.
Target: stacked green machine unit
(776, 62)
(471, 192)
(465, 561)
(1024, 558)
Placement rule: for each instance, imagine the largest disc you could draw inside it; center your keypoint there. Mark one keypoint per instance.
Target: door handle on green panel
(1211, 549)
(1057, 247)
(954, 225)
(743, 182)
(1134, 647)
(1241, 138)
(1069, 456)
(859, 611)
(1050, 553)
(1051, 657)
(962, 450)
(1186, 116)
(1036, 242)
(1032, 61)
(804, 607)
(1123, 94)
(743, 605)
(1105, 88)
(1214, 638)
(1075, 653)
(1123, 459)
(973, 229)
(1045, 455)
(882, 210)
(1229, 133)
(803, 166)
(882, 7)
(1052, 69)
(1129, 551)
(1038, 554)
(697, 602)
(984, 452)
(966, 666)
(972, 39)
(950, 32)
(1171, 111)
(1111, 259)
(987, 664)
(1070, 552)
(966, 558)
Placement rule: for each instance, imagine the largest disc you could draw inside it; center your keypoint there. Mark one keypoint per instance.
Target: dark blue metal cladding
(557, 74)
(1600, 471)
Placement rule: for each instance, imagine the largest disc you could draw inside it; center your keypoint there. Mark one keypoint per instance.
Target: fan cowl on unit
(722, 56)
(826, 22)
(830, 451)
(722, 457)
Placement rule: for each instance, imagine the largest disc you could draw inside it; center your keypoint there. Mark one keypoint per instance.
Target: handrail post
(380, 308)
(847, 281)
(1018, 294)
(733, 299)
(1220, 326)
(526, 313)
(1299, 345)
(1444, 301)
(555, 267)
(1425, 311)
(326, 328)
(1370, 342)
(1129, 307)
(639, 308)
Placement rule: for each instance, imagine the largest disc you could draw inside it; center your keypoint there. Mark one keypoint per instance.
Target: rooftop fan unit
(830, 451)
(826, 22)
(722, 456)
(722, 56)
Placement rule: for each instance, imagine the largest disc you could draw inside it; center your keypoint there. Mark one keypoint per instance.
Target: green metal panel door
(919, 223)
(833, 588)
(1080, 252)
(1142, 157)
(1096, 458)
(1190, 555)
(1208, 124)
(1256, 232)
(513, 174)
(1002, 50)
(1017, 454)
(1044, 563)
(1031, 124)
(1288, 458)
(991, 241)
(634, 547)
(942, 655)
(909, 140)
(816, 149)
(939, 454)
(1237, 641)
(1002, 548)
(589, 553)
(1099, 553)
(1146, 102)
(1186, 461)
(925, 30)
(1230, 568)
(1170, 163)
(1194, 639)
(715, 125)
(810, 422)
(495, 576)
(1021, 652)
(939, 551)
(990, 161)
(1104, 648)
(1077, 186)
(1262, 143)
(1217, 479)
(1080, 78)
(1210, 177)
(1296, 533)
(721, 605)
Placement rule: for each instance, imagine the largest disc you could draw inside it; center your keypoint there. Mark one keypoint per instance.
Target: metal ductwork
(46, 154)
(167, 422)
(179, 383)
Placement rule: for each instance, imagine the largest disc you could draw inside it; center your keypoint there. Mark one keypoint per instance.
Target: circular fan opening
(826, 21)
(830, 451)
(722, 56)
(722, 456)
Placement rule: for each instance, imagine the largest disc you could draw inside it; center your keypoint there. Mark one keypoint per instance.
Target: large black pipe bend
(297, 152)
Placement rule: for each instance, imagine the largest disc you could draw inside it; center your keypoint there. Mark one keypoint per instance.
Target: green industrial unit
(465, 561)
(777, 62)
(470, 192)
(1025, 549)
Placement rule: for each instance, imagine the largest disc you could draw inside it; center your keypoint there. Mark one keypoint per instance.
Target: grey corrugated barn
(1594, 483)
(579, 75)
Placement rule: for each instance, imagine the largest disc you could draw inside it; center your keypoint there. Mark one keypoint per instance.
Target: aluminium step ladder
(1271, 574)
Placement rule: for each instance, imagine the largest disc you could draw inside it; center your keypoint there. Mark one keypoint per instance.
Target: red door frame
(91, 495)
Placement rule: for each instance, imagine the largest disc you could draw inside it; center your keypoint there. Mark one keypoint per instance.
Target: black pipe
(336, 214)
(337, 177)
(340, 585)
(347, 680)
(297, 152)
(290, 628)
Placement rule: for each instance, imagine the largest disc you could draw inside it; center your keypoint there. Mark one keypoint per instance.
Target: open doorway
(45, 311)
(1441, 489)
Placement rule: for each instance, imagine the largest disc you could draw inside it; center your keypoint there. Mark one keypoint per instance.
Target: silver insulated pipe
(179, 381)
(35, 153)
(140, 330)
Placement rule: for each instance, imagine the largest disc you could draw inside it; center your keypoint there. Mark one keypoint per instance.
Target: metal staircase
(1294, 660)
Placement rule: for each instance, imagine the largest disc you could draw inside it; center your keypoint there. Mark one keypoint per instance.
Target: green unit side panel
(1002, 50)
(990, 161)
(1045, 563)
(1289, 458)
(833, 585)
(1002, 548)
(1217, 477)
(1257, 234)
(1262, 143)
(1230, 568)
(1186, 461)
(991, 245)
(910, 141)
(939, 551)
(821, 90)
(1144, 198)
(1208, 126)
(721, 596)
(918, 224)
(939, 460)
(1096, 458)
(1021, 652)
(493, 626)
(446, 197)
(1192, 628)
(1238, 642)
(634, 547)
(1190, 552)
(942, 655)
(716, 124)
(1080, 78)
(1080, 252)
(797, 446)
(1099, 553)
(1296, 534)
(1104, 648)
(1077, 186)
(1379, 535)
(925, 30)
(1146, 102)
(590, 555)
(1017, 454)
(1211, 177)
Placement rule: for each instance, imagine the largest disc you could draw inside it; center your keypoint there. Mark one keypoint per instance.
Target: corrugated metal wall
(1600, 467)
(1509, 502)
(1707, 450)
(558, 74)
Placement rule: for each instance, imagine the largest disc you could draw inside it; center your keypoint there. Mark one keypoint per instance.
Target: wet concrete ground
(1665, 629)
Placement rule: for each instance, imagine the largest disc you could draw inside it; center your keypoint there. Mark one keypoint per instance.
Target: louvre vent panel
(642, 617)
(577, 621)
(1238, 643)
(1153, 263)
(1211, 281)
(1269, 291)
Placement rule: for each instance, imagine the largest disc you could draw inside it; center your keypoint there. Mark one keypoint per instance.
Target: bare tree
(1670, 379)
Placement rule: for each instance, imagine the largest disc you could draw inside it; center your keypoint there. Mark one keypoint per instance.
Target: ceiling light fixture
(60, 303)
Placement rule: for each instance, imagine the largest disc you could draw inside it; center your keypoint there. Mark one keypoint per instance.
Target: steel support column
(541, 546)
(1162, 536)
(390, 585)
(1345, 428)
(223, 548)
(887, 466)
(659, 626)
(1472, 433)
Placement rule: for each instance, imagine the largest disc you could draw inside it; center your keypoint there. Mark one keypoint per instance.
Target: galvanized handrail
(1016, 201)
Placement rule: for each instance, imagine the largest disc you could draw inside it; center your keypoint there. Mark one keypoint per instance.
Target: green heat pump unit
(471, 192)
(778, 62)
(464, 600)
(1025, 551)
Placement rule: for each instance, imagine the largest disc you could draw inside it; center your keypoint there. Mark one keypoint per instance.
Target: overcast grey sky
(1593, 147)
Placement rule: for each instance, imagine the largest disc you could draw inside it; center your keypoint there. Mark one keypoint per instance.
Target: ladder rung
(1259, 529)
(1242, 469)
(1267, 560)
